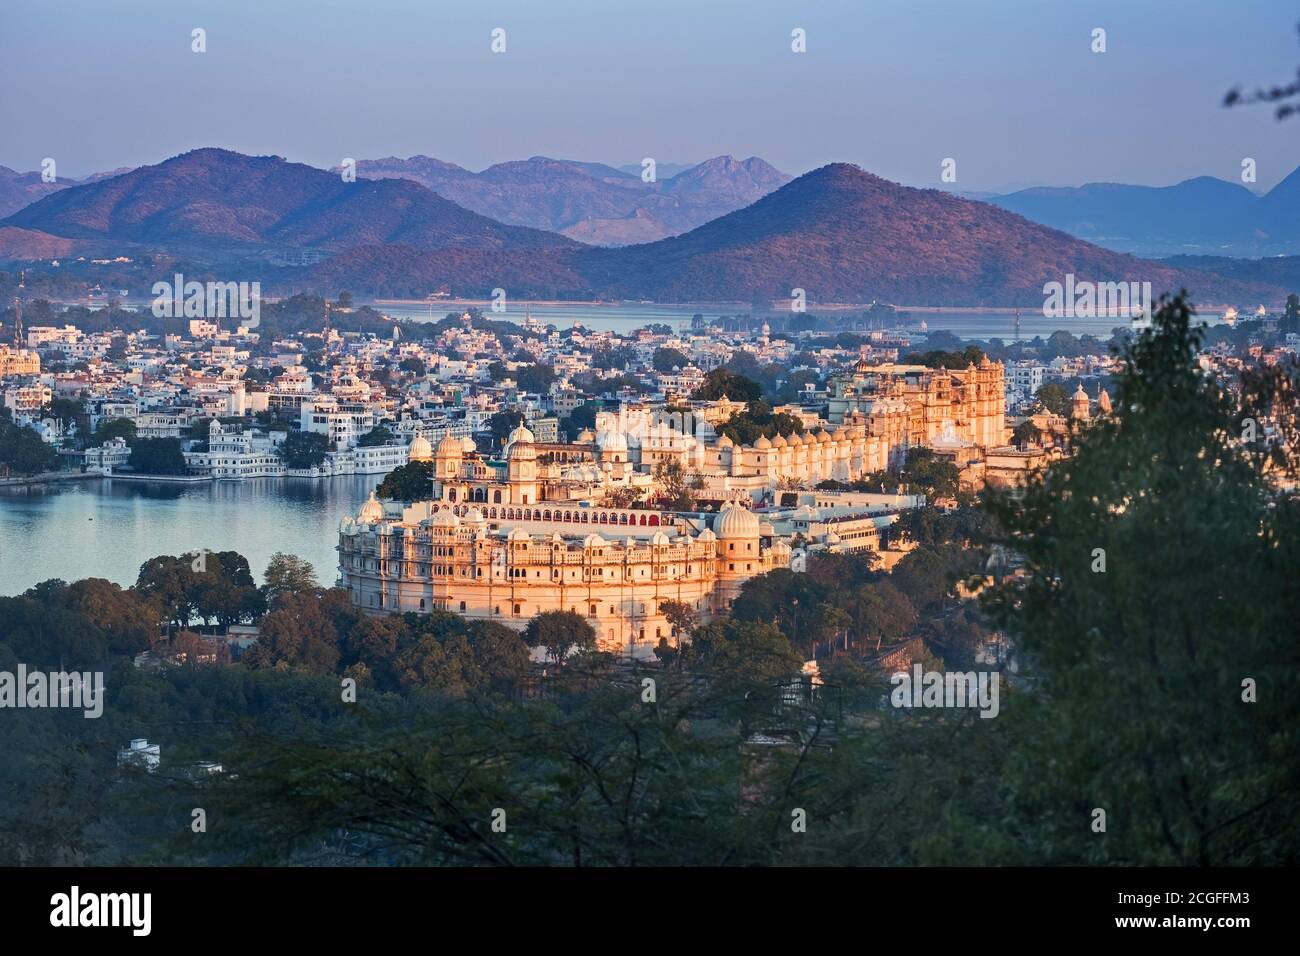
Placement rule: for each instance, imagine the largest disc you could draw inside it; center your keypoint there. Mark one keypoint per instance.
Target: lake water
(626, 317)
(107, 529)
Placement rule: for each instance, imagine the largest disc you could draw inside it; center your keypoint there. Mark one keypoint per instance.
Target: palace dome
(421, 450)
(371, 511)
(763, 443)
(779, 441)
(449, 447)
(444, 519)
(474, 516)
(611, 440)
(468, 446)
(736, 521)
(521, 434)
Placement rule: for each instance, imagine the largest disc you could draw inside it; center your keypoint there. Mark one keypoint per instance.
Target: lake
(107, 528)
(625, 317)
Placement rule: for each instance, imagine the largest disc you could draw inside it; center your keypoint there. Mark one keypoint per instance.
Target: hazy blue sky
(1009, 88)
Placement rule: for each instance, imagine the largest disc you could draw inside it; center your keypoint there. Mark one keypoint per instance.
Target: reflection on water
(107, 529)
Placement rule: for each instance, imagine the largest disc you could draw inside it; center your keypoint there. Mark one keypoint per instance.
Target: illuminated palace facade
(496, 551)
(506, 539)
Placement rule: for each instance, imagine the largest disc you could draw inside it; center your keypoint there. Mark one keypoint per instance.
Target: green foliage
(561, 633)
(410, 482)
(758, 420)
(675, 492)
(666, 359)
(304, 449)
(720, 382)
(111, 428)
(287, 574)
(379, 435)
(534, 378)
(157, 456)
(1026, 433)
(1158, 576)
(972, 354)
(1053, 397)
(23, 451)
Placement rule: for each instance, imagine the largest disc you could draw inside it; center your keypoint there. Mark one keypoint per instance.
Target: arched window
(496, 496)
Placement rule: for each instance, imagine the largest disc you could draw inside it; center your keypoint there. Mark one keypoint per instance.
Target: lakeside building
(509, 539)
(613, 566)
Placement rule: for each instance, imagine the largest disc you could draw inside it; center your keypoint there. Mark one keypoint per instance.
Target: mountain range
(1201, 216)
(838, 232)
(591, 202)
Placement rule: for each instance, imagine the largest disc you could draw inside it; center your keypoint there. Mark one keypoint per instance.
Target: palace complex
(505, 538)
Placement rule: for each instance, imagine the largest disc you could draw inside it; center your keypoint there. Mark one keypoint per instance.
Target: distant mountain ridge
(838, 233)
(1200, 216)
(591, 202)
(214, 200)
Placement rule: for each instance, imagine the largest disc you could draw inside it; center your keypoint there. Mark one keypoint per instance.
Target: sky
(1009, 89)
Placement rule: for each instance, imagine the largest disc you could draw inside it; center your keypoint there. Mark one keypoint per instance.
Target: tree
(666, 359)
(287, 574)
(157, 456)
(306, 630)
(562, 633)
(681, 617)
(534, 378)
(737, 652)
(111, 428)
(1052, 396)
(1026, 433)
(720, 382)
(23, 451)
(1291, 316)
(303, 449)
(412, 365)
(674, 492)
(939, 358)
(410, 482)
(925, 471)
(379, 435)
(501, 424)
(583, 416)
(1284, 95)
(1145, 651)
(758, 420)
